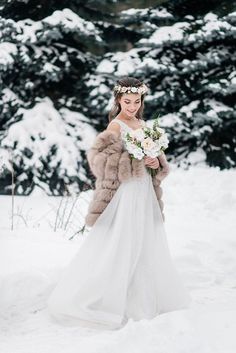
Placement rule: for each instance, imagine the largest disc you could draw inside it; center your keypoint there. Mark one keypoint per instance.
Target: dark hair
(127, 82)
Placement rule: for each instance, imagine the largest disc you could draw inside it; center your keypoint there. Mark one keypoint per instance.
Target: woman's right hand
(151, 162)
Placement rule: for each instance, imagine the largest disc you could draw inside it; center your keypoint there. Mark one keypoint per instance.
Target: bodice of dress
(124, 128)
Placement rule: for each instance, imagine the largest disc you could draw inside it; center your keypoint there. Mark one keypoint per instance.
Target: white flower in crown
(141, 90)
(134, 89)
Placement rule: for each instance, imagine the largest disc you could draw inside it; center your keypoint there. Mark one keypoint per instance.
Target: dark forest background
(59, 61)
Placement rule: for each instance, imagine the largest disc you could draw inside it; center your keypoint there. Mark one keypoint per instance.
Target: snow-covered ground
(200, 207)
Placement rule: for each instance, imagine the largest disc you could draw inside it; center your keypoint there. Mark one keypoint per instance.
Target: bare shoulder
(114, 126)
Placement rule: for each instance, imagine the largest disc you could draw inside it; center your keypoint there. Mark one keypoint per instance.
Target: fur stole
(111, 164)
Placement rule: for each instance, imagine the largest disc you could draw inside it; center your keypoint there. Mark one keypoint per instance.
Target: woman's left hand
(151, 162)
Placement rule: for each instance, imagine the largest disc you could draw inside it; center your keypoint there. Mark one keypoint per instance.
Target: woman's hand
(151, 162)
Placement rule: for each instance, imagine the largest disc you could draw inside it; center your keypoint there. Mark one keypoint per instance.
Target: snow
(156, 95)
(4, 159)
(214, 24)
(71, 133)
(224, 86)
(167, 34)
(198, 156)
(152, 13)
(209, 17)
(125, 67)
(9, 96)
(188, 109)
(170, 120)
(134, 12)
(152, 64)
(218, 106)
(71, 21)
(50, 67)
(102, 89)
(161, 12)
(124, 62)
(232, 14)
(60, 21)
(105, 66)
(200, 226)
(7, 53)
(211, 27)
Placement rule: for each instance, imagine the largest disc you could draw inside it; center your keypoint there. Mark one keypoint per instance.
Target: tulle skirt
(124, 267)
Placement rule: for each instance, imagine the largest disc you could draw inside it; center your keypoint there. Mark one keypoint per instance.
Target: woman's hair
(127, 82)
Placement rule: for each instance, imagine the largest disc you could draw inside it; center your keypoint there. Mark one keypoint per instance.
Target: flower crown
(123, 89)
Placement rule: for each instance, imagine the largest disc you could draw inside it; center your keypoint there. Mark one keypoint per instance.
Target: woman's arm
(165, 168)
(114, 127)
(105, 144)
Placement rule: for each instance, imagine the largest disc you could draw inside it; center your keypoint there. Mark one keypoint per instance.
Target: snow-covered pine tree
(42, 120)
(188, 61)
(59, 61)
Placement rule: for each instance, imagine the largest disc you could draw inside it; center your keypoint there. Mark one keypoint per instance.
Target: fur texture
(110, 163)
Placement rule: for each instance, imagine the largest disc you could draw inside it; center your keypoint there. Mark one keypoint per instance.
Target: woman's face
(130, 103)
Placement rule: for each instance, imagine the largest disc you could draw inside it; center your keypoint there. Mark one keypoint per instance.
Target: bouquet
(146, 141)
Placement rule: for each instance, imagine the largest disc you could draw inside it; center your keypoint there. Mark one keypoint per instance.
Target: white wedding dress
(124, 267)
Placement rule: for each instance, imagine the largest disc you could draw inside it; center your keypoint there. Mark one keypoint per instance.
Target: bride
(124, 269)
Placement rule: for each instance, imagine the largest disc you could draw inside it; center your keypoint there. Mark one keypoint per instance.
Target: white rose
(148, 143)
(130, 146)
(134, 89)
(138, 153)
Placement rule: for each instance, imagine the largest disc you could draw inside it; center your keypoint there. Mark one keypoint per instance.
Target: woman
(124, 268)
